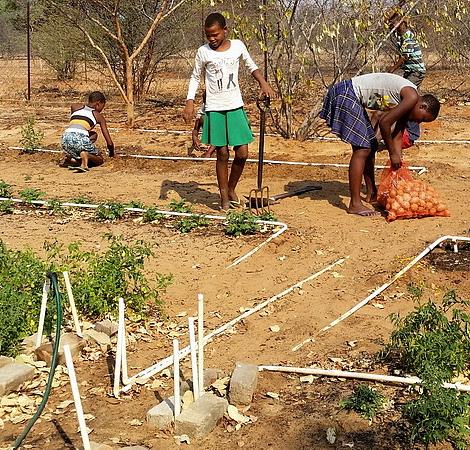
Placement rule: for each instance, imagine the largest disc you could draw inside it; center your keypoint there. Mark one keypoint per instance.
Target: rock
(243, 383)
(29, 344)
(97, 337)
(107, 327)
(201, 417)
(98, 446)
(76, 343)
(162, 415)
(211, 376)
(134, 447)
(13, 375)
(4, 360)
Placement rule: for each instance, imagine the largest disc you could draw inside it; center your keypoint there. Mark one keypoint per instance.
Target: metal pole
(265, 41)
(28, 45)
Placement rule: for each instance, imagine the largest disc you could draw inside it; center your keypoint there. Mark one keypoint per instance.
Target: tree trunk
(130, 93)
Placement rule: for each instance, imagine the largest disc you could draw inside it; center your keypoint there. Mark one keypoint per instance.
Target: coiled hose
(55, 288)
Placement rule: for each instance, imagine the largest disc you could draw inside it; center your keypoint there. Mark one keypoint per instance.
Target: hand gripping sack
(404, 197)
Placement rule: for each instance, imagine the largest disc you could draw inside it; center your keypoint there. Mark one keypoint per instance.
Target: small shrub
(187, 224)
(239, 223)
(268, 216)
(31, 194)
(6, 207)
(110, 211)
(365, 401)
(135, 204)
(180, 206)
(415, 290)
(5, 189)
(81, 200)
(433, 342)
(31, 138)
(151, 215)
(55, 206)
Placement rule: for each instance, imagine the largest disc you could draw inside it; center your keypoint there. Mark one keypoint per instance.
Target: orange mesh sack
(404, 197)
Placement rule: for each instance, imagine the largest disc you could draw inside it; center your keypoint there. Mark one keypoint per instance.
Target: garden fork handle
(263, 106)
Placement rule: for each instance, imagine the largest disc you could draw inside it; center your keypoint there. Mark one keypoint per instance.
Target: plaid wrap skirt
(347, 118)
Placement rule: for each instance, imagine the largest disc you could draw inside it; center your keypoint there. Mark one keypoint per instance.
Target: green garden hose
(55, 287)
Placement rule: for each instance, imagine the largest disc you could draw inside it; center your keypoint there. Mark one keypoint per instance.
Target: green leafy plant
(433, 342)
(6, 207)
(110, 211)
(365, 401)
(239, 223)
(31, 194)
(5, 189)
(268, 216)
(135, 204)
(180, 206)
(55, 206)
(31, 138)
(416, 291)
(187, 224)
(151, 215)
(81, 200)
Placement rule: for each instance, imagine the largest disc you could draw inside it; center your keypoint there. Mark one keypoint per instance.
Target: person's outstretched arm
(397, 115)
(104, 128)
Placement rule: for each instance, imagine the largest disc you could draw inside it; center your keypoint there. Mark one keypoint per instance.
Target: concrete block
(107, 327)
(97, 337)
(162, 415)
(5, 360)
(211, 376)
(76, 343)
(13, 375)
(98, 446)
(201, 417)
(243, 383)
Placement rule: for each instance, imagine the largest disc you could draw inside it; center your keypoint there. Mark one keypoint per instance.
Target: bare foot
(363, 211)
(371, 198)
(225, 206)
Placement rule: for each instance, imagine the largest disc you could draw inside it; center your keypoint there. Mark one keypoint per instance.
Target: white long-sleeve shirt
(221, 75)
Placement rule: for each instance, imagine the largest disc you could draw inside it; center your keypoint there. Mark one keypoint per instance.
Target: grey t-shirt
(380, 91)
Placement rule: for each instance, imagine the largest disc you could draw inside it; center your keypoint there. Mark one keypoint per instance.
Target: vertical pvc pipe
(42, 313)
(76, 398)
(122, 325)
(200, 341)
(176, 376)
(118, 358)
(68, 287)
(194, 369)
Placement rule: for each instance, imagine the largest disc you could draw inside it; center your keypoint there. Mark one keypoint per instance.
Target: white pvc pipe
(359, 376)
(176, 377)
(122, 324)
(419, 169)
(76, 398)
(166, 362)
(68, 287)
(171, 214)
(42, 313)
(192, 345)
(382, 288)
(200, 342)
(118, 358)
(313, 138)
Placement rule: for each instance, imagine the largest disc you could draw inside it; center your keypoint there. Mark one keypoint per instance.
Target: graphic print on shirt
(380, 102)
(224, 74)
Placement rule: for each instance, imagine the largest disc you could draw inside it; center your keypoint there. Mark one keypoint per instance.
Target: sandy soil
(319, 233)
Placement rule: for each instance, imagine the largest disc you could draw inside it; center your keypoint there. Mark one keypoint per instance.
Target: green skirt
(226, 128)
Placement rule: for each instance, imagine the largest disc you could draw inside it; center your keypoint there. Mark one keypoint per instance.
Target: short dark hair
(96, 97)
(215, 18)
(433, 105)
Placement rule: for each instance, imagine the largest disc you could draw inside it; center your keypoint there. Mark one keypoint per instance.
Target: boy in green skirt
(226, 123)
